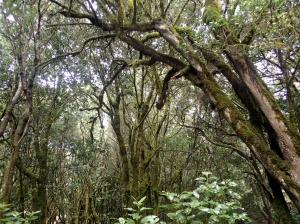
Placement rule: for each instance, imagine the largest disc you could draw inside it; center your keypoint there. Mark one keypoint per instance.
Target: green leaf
(189, 218)
(194, 204)
(206, 173)
(201, 179)
(13, 213)
(121, 220)
(181, 217)
(185, 195)
(204, 209)
(196, 222)
(18, 222)
(135, 216)
(171, 196)
(150, 219)
(232, 184)
(130, 209)
(196, 194)
(213, 178)
(171, 215)
(145, 208)
(142, 200)
(214, 218)
(187, 211)
(130, 221)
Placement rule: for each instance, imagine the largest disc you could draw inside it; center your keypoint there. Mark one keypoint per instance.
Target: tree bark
(17, 138)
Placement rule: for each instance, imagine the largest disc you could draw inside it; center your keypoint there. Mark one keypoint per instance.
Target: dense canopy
(105, 102)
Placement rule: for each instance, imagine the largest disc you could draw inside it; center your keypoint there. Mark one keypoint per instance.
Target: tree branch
(74, 53)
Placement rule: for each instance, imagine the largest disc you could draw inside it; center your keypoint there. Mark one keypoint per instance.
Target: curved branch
(164, 58)
(74, 53)
(163, 95)
(176, 41)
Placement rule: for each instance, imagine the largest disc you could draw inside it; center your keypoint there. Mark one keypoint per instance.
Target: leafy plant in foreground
(136, 216)
(14, 217)
(210, 202)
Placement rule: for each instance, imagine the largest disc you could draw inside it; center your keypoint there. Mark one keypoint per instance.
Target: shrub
(211, 202)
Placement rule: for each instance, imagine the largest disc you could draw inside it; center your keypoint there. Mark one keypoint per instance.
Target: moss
(140, 189)
(291, 130)
(240, 125)
(291, 184)
(249, 36)
(130, 5)
(295, 137)
(212, 12)
(121, 13)
(184, 31)
(281, 164)
(177, 35)
(149, 36)
(237, 120)
(223, 101)
(218, 23)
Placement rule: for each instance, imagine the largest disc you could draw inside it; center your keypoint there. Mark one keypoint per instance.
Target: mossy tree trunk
(129, 119)
(17, 116)
(283, 160)
(19, 127)
(42, 127)
(41, 149)
(115, 115)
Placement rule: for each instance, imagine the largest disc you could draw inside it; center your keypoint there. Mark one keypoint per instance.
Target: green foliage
(136, 214)
(210, 202)
(14, 217)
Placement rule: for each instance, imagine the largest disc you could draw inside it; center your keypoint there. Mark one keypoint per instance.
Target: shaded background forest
(80, 130)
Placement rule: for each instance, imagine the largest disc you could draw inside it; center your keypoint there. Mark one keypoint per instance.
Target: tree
(24, 70)
(218, 39)
(29, 106)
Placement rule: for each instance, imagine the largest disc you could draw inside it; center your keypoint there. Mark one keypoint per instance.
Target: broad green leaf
(185, 195)
(150, 219)
(135, 216)
(130, 221)
(121, 220)
(142, 200)
(196, 194)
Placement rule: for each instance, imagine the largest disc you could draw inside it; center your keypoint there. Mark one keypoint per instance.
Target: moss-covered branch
(146, 50)
(248, 38)
(25, 171)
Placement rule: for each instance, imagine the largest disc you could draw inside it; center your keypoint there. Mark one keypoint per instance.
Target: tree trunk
(116, 124)
(41, 150)
(279, 204)
(17, 137)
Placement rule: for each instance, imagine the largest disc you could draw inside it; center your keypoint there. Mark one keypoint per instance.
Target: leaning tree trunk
(17, 136)
(283, 164)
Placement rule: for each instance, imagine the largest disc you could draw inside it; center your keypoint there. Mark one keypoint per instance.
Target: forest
(149, 111)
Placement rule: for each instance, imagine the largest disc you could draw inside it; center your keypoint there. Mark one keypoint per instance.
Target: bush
(211, 202)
